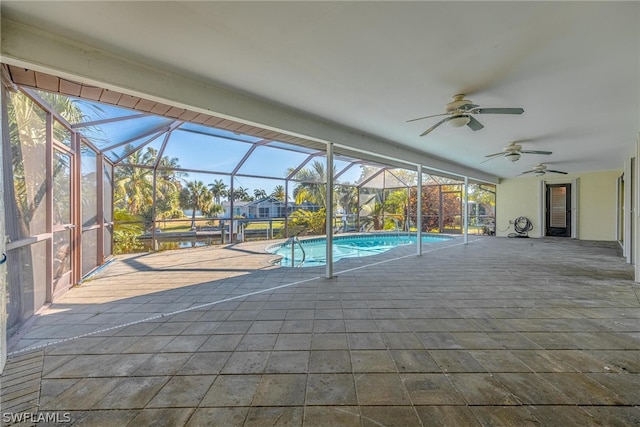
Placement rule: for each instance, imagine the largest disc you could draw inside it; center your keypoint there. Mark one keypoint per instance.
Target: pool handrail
(292, 241)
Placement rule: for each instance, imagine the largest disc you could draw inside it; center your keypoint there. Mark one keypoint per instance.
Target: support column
(465, 208)
(419, 211)
(358, 209)
(154, 191)
(100, 208)
(231, 203)
(329, 212)
(286, 208)
(3, 266)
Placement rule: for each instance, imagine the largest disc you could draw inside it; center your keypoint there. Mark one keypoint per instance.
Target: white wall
(596, 212)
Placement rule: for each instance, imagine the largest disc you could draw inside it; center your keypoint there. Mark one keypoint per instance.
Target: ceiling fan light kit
(513, 152)
(541, 169)
(459, 121)
(460, 113)
(514, 157)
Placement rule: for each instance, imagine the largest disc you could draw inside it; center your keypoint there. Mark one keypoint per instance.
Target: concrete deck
(497, 332)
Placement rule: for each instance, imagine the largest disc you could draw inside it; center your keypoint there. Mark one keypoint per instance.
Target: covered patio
(131, 129)
(495, 332)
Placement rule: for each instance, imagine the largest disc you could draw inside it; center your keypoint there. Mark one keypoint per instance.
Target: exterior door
(558, 216)
(63, 222)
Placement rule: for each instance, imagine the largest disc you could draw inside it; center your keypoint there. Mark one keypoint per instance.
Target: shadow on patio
(497, 332)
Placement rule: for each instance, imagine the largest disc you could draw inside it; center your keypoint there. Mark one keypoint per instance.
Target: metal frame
(102, 159)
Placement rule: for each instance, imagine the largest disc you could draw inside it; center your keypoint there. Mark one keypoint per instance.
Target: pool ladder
(293, 241)
(395, 220)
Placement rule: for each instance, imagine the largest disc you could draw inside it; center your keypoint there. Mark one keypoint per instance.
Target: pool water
(345, 247)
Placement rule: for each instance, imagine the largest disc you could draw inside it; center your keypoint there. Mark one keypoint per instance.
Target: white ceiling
(573, 66)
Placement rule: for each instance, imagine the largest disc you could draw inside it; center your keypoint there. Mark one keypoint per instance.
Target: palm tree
(197, 197)
(168, 186)
(278, 193)
(134, 185)
(311, 185)
(218, 190)
(259, 193)
(347, 198)
(241, 194)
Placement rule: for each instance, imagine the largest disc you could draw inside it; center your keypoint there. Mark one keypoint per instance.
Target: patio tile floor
(497, 332)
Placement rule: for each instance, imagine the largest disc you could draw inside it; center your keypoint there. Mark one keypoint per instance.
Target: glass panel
(346, 199)
(107, 191)
(61, 259)
(169, 183)
(108, 232)
(27, 156)
(371, 177)
(428, 179)
(482, 202)
(89, 184)
(371, 211)
(431, 208)
(259, 188)
(451, 211)
(349, 174)
(396, 178)
(314, 171)
(127, 130)
(374, 181)
(26, 283)
(133, 190)
(396, 204)
(93, 111)
(139, 157)
(339, 165)
(215, 132)
(271, 162)
(73, 110)
(284, 145)
(89, 250)
(204, 218)
(61, 188)
(205, 152)
(61, 133)
(400, 178)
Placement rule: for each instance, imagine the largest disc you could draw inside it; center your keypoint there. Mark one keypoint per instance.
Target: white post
(419, 211)
(329, 212)
(466, 210)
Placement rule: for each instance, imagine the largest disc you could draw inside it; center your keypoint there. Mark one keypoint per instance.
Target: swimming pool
(352, 246)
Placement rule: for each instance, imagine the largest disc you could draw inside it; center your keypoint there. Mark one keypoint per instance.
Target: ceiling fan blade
(526, 172)
(536, 152)
(495, 154)
(498, 111)
(563, 173)
(474, 124)
(446, 119)
(427, 117)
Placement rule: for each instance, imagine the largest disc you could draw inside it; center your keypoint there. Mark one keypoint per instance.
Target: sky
(198, 151)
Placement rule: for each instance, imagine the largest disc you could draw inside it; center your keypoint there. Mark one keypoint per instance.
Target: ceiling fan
(541, 169)
(513, 151)
(460, 112)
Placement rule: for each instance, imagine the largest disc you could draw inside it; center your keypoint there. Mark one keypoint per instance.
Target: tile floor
(496, 332)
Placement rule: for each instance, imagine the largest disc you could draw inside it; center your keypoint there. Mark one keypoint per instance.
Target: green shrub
(126, 232)
(313, 222)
